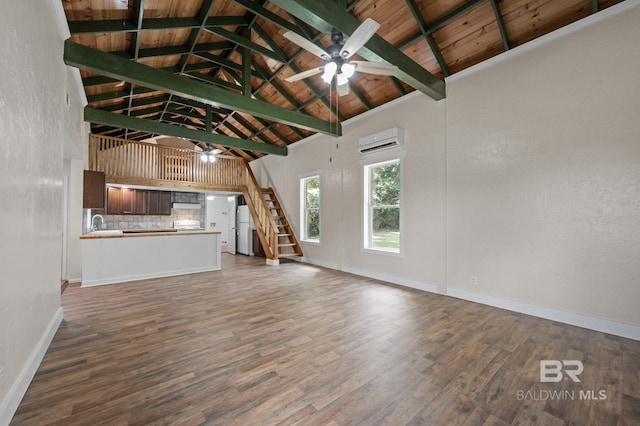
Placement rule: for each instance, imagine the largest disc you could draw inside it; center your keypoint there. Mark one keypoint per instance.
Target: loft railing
(141, 163)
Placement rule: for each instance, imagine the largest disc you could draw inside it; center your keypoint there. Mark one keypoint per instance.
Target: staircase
(287, 243)
(274, 232)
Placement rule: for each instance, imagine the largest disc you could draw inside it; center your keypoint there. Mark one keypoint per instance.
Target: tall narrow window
(382, 206)
(310, 208)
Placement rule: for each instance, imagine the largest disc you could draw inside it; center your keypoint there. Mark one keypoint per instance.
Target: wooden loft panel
(146, 164)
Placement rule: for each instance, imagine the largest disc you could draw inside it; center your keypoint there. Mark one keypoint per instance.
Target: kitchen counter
(143, 233)
(110, 257)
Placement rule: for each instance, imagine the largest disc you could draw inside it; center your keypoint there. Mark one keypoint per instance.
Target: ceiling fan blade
(306, 44)
(343, 89)
(304, 74)
(360, 36)
(379, 68)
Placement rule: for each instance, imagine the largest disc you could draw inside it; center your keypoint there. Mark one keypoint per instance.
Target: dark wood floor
(296, 344)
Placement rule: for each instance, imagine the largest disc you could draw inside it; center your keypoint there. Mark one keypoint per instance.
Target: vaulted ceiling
(213, 71)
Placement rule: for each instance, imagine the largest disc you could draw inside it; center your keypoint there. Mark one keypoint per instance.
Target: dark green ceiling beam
(501, 26)
(215, 61)
(98, 97)
(119, 120)
(326, 15)
(247, 43)
(422, 24)
(353, 4)
(445, 20)
(268, 15)
(115, 67)
(126, 25)
(175, 50)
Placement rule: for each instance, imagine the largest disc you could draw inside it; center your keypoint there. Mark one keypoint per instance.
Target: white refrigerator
(244, 231)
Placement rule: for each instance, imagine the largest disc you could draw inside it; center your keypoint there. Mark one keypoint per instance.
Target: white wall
(32, 131)
(538, 188)
(422, 262)
(543, 159)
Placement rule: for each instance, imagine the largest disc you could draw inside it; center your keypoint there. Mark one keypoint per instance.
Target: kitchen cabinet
(127, 201)
(138, 201)
(114, 200)
(141, 205)
(159, 203)
(93, 190)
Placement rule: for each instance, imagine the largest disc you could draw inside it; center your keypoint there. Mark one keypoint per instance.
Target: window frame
(367, 224)
(303, 179)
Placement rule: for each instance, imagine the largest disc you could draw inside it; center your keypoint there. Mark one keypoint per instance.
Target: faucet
(93, 227)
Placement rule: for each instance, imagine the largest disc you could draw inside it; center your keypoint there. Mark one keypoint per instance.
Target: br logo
(552, 370)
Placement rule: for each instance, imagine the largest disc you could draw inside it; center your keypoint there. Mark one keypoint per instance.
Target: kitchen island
(112, 256)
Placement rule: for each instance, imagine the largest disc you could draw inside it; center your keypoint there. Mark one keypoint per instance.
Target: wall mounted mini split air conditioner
(386, 139)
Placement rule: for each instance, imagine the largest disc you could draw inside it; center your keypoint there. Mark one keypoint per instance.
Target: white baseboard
(74, 280)
(321, 263)
(597, 324)
(20, 386)
(419, 285)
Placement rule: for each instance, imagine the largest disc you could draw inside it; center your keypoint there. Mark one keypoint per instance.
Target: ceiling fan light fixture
(342, 79)
(329, 71)
(348, 69)
(209, 155)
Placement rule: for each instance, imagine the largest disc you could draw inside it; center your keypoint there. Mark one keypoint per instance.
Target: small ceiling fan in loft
(337, 56)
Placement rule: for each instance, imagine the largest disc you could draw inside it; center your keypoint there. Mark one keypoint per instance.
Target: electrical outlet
(474, 281)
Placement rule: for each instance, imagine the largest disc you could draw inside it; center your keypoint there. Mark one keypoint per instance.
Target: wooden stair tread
(289, 254)
(286, 244)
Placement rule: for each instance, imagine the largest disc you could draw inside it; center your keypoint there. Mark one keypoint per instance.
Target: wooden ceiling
(181, 67)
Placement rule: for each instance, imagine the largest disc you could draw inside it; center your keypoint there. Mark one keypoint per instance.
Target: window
(310, 208)
(382, 194)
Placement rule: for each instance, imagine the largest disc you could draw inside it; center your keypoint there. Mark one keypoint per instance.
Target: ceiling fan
(337, 56)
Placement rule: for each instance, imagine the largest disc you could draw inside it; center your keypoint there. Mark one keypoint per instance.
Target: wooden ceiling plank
(115, 67)
(424, 28)
(123, 121)
(326, 15)
(501, 26)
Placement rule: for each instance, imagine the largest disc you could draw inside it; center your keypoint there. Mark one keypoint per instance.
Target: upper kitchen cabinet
(114, 200)
(138, 201)
(159, 202)
(93, 190)
(141, 202)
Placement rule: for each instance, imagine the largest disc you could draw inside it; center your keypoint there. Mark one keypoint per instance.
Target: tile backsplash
(132, 221)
